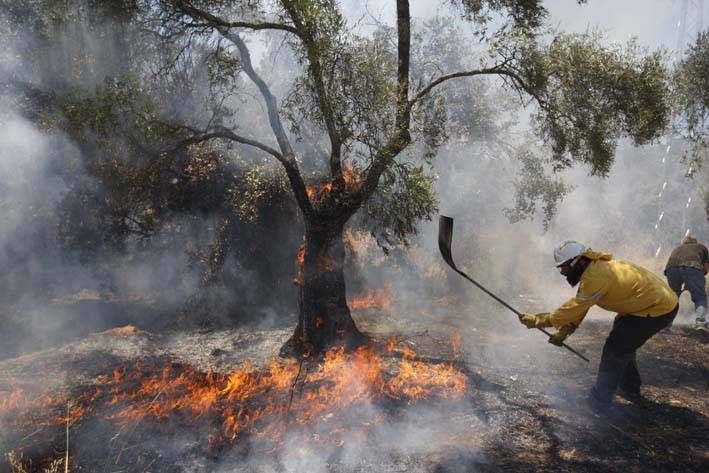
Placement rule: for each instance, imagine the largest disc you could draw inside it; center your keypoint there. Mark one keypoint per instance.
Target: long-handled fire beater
(445, 238)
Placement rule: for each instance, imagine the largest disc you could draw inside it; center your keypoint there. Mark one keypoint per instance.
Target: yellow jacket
(617, 286)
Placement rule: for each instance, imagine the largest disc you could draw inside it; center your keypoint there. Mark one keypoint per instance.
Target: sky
(654, 22)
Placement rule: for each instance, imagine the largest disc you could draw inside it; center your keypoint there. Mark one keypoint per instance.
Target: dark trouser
(618, 366)
(693, 280)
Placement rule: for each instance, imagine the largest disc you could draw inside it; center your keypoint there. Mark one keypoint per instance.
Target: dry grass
(18, 465)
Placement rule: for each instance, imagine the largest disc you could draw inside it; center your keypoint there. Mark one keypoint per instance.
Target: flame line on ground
(178, 387)
(147, 409)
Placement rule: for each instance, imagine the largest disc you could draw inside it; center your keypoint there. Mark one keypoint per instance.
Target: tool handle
(565, 346)
(519, 314)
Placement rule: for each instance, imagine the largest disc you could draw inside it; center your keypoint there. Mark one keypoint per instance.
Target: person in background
(644, 304)
(688, 265)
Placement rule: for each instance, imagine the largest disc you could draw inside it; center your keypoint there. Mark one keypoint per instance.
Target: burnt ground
(523, 409)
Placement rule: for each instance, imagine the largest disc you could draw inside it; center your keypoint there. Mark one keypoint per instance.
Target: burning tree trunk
(324, 318)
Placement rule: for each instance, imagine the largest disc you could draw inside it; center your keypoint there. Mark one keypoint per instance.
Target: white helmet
(566, 251)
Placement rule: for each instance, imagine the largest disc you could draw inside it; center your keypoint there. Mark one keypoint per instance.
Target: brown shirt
(693, 255)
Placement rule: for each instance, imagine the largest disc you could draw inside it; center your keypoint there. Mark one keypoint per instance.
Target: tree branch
(401, 137)
(215, 21)
(142, 231)
(324, 102)
(271, 105)
(403, 26)
(496, 70)
(226, 133)
(288, 157)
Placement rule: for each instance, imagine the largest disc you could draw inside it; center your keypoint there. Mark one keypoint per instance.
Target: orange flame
(455, 343)
(351, 176)
(246, 401)
(300, 258)
(374, 299)
(391, 344)
(317, 191)
(299, 261)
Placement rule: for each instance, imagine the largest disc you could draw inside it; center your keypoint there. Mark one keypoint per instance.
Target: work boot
(596, 403)
(632, 395)
(700, 322)
(606, 410)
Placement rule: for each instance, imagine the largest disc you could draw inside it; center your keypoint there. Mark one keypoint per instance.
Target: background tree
(691, 107)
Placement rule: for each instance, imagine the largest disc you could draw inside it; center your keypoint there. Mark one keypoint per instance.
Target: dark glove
(561, 334)
(536, 320)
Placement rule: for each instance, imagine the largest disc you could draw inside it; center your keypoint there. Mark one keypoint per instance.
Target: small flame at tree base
(374, 299)
(266, 404)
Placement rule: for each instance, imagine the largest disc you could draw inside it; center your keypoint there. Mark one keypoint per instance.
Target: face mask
(575, 273)
(574, 277)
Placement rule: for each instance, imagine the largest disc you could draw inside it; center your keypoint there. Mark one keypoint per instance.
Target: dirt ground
(523, 409)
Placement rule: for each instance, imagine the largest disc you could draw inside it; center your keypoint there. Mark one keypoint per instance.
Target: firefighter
(688, 264)
(644, 304)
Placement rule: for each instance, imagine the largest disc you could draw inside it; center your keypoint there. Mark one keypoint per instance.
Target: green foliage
(524, 14)
(45, 17)
(222, 67)
(244, 201)
(691, 98)
(591, 95)
(60, 42)
(405, 195)
(320, 20)
(357, 74)
(533, 185)
(145, 179)
(112, 109)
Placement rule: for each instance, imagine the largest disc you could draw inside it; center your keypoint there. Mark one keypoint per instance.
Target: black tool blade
(445, 238)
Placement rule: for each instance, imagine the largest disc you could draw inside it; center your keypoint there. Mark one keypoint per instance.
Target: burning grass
(286, 397)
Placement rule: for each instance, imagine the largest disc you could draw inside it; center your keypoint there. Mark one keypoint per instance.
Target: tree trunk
(324, 320)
